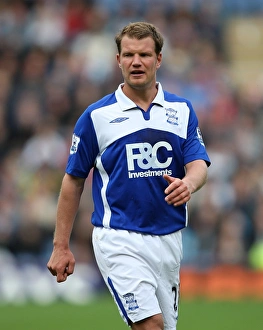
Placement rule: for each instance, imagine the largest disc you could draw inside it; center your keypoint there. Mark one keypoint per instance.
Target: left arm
(179, 191)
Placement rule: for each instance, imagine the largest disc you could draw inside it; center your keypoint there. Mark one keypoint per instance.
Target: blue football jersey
(130, 151)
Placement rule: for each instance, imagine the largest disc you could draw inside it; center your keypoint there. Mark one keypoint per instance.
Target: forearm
(68, 203)
(196, 175)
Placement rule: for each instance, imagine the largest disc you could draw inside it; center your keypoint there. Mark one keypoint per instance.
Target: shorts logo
(74, 144)
(131, 301)
(172, 116)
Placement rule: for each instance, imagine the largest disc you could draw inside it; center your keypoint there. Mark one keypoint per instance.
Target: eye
(146, 55)
(127, 55)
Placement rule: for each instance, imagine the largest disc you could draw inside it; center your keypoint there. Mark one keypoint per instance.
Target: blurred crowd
(57, 57)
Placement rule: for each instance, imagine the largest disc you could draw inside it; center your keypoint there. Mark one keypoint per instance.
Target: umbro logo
(119, 120)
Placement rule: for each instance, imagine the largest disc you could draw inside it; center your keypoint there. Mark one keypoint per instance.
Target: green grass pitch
(102, 314)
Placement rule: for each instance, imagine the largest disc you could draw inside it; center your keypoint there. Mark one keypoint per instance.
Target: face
(139, 62)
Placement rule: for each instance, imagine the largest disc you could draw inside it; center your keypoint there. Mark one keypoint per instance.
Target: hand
(177, 191)
(61, 264)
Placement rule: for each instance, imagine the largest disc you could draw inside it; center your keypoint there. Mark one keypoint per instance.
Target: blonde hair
(140, 30)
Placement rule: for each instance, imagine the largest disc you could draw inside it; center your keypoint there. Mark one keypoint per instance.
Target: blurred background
(57, 57)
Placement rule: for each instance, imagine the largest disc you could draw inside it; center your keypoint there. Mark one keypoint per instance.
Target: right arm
(62, 262)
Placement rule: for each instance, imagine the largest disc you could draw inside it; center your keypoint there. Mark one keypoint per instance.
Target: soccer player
(148, 157)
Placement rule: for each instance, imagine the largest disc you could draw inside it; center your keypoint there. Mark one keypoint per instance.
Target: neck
(142, 97)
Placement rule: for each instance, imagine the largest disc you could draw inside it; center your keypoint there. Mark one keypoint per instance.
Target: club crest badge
(74, 144)
(172, 116)
(131, 301)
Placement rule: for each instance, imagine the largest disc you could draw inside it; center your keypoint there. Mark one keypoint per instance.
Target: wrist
(61, 244)
(190, 186)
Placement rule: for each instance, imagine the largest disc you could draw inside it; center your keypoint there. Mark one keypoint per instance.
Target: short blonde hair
(140, 30)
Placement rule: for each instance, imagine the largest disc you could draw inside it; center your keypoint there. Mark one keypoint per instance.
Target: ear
(118, 60)
(159, 60)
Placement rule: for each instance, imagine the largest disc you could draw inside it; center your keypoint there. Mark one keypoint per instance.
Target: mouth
(137, 73)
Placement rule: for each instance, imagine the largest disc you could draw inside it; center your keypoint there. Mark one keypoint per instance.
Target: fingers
(61, 275)
(70, 268)
(177, 191)
(61, 270)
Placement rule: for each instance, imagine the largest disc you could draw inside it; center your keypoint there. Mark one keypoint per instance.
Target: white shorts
(141, 272)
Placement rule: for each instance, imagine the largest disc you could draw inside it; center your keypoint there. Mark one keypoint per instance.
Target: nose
(136, 60)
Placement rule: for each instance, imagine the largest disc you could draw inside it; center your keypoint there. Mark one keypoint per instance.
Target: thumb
(168, 178)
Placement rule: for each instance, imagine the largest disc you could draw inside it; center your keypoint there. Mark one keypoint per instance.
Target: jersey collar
(127, 104)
